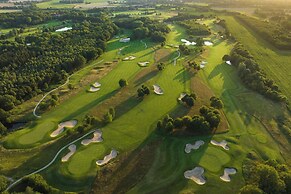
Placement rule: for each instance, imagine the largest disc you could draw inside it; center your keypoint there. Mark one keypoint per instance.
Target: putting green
(213, 159)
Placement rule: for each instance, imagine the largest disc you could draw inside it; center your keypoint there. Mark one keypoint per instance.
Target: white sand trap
(182, 95)
(61, 126)
(203, 64)
(72, 149)
(64, 29)
(93, 89)
(97, 137)
(227, 171)
(187, 42)
(158, 90)
(196, 175)
(228, 62)
(130, 58)
(143, 64)
(107, 158)
(195, 146)
(96, 85)
(222, 144)
(208, 43)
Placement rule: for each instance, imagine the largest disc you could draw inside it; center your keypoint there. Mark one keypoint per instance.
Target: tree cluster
(142, 91)
(216, 102)
(160, 66)
(204, 123)
(71, 1)
(31, 64)
(36, 183)
(184, 16)
(272, 32)
(144, 27)
(269, 177)
(189, 99)
(252, 75)
(194, 28)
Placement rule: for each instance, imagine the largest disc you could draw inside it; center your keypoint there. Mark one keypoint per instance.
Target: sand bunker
(143, 64)
(130, 58)
(208, 43)
(222, 144)
(61, 127)
(96, 84)
(64, 29)
(195, 146)
(93, 89)
(72, 149)
(228, 62)
(227, 171)
(203, 64)
(187, 42)
(107, 158)
(97, 137)
(182, 95)
(158, 90)
(196, 175)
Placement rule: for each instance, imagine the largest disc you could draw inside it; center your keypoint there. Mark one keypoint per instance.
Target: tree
(140, 33)
(3, 183)
(112, 112)
(169, 126)
(250, 189)
(268, 179)
(122, 83)
(160, 66)
(178, 123)
(3, 129)
(7, 102)
(108, 118)
(226, 58)
(216, 102)
(3, 116)
(158, 37)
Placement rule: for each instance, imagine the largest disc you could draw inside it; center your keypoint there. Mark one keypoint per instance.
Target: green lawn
(275, 63)
(57, 4)
(38, 132)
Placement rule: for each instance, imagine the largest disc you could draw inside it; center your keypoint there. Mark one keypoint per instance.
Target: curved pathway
(175, 59)
(67, 81)
(145, 44)
(51, 162)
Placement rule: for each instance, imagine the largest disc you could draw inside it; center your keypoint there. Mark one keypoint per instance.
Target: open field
(56, 4)
(274, 62)
(9, 10)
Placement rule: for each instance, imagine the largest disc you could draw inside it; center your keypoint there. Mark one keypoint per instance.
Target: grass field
(39, 131)
(137, 123)
(166, 174)
(274, 62)
(57, 4)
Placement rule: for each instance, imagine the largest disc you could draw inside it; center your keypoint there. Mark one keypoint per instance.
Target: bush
(122, 83)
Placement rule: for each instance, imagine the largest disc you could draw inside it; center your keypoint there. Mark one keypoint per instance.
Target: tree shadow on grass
(90, 105)
(145, 78)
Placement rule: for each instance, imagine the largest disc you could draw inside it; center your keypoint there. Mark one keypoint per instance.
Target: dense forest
(273, 32)
(252, 75)
(184, 16)
(194, 28)
(29, 65)
(144, 27)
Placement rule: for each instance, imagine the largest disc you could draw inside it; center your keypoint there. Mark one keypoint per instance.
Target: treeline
(71, 1)
(30, 65)
(204, 123)
(144, 27)
(252, 75)
(268, 177)
(183, 16)
(194, 28)
(270, 31)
